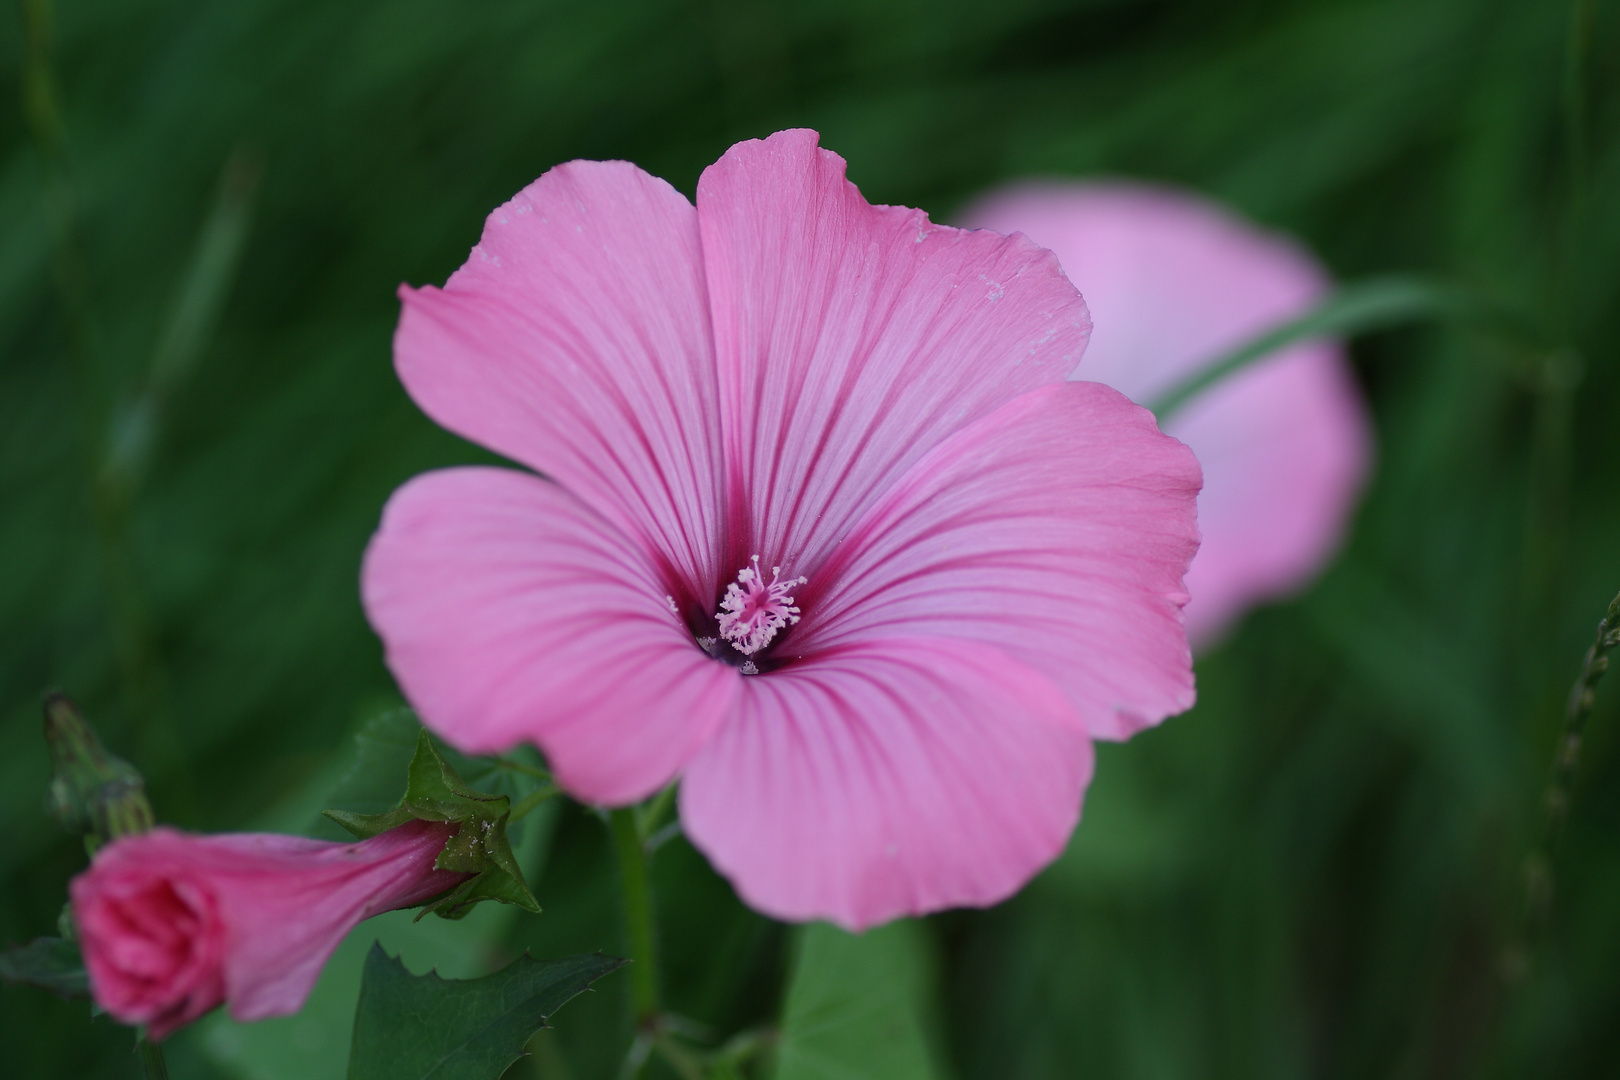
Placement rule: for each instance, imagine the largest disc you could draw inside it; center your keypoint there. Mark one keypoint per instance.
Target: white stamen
(753, 610)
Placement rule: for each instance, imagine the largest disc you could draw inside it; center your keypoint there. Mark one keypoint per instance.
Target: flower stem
(638, 915)
(533, 799)
(513, 765)
(650, 815)
(1373, 304)
(153, 1067)
(1578, 44)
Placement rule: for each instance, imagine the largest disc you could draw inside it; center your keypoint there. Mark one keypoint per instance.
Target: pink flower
(1175, 282)
(173, 924)
(967, 567)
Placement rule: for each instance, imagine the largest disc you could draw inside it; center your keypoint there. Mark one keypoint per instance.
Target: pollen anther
(753, 609)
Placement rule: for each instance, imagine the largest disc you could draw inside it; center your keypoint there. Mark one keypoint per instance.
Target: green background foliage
(1317, 873)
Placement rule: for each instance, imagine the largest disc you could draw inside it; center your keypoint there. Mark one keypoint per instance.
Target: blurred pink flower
(823, 528)
(1174, 282)
(172, 924)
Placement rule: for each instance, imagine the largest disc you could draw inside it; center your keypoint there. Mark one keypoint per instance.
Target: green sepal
(434, 792)
(365, 826)
(492, 884)
(93, 793)
(48, 962)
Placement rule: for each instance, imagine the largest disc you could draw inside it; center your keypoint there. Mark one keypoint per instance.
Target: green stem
(651, 815)
(1577, 45)
(1556, 372)
(638, 915)
(682, 1060)
(1368, 305)
(1581, 698)
(746, 1045)
(153, 1067)
(533, 799)
(512, 765)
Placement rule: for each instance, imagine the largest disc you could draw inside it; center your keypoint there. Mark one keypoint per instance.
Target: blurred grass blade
(39, 88)
(1375, 304)
(209, 274)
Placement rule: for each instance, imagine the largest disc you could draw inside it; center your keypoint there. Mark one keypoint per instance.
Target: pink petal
(575, 340)
(881, 780)
(1056, 530)
(1173, 282)
(511, 612)
(850, 338)
(286, 921)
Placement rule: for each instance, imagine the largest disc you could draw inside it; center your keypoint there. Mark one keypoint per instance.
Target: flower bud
(92, 792)
(173, 924)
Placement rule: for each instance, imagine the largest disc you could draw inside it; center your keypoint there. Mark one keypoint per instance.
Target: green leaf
(435, 792)
(49, 962)
(416, 1027)
(858, 1006)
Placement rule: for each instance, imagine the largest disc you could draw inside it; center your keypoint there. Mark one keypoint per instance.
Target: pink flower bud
(172, 924)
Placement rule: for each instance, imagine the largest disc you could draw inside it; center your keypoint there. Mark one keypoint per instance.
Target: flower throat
(754, 610)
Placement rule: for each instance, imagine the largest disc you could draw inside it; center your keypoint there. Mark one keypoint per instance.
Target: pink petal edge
(881, 780)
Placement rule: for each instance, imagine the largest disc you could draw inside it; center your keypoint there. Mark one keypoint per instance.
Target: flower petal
(1175, 281)
(1057, 529)
(288, 909)
(851, 338)
(884, 780)
(576, 340)
(511, 612)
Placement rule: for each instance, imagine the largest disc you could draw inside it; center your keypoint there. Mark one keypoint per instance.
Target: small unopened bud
(93, 793)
